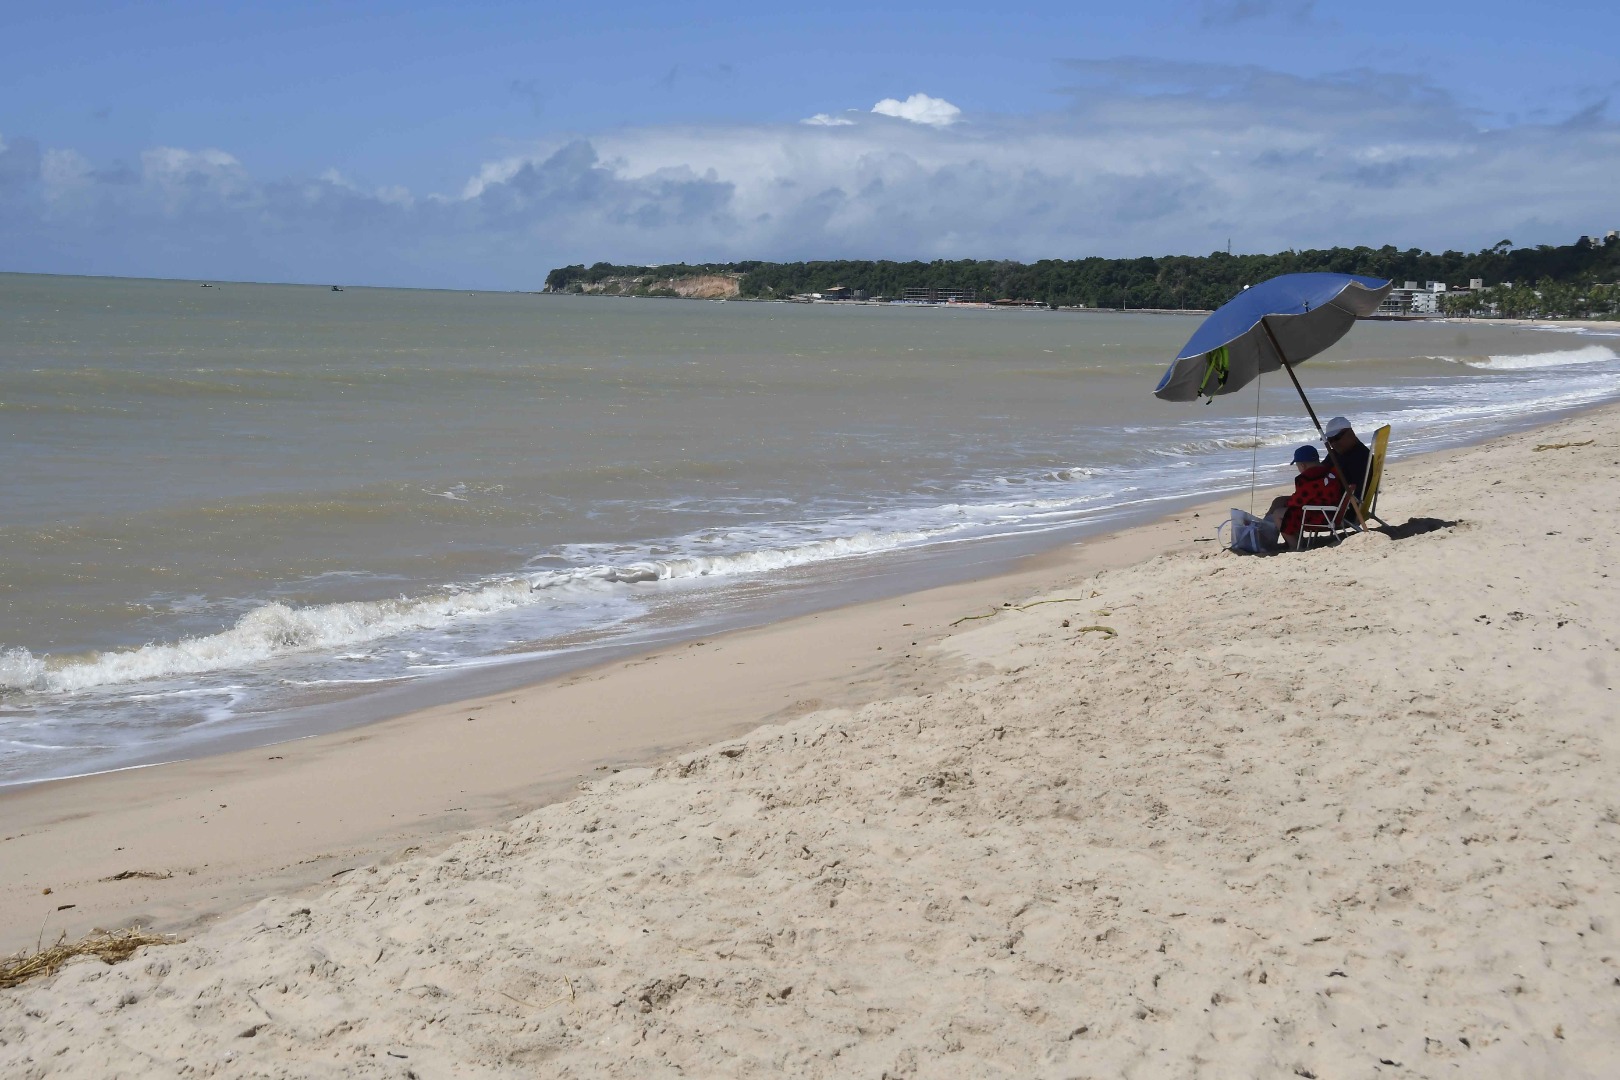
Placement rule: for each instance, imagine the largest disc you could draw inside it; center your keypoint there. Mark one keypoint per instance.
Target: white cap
(1335, 426)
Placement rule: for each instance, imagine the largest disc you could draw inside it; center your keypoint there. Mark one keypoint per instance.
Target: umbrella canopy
(1280, 321)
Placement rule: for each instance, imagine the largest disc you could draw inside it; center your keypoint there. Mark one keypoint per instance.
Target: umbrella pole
(1338, 466)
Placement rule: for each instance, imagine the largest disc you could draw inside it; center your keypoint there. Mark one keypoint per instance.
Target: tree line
(1546, 279)
(1546, 299)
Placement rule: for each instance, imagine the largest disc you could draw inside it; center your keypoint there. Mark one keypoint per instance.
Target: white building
(1426, 301)
(1400, 299)
(1415, 299)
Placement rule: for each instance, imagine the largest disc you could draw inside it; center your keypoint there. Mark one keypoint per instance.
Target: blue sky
(479, 145)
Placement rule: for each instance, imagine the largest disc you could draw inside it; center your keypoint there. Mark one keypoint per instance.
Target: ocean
(243, 513)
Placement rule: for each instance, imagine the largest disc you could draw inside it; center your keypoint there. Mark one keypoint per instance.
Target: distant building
(1398, 301)
(939, 296)
(837, 292)
(1413, 299)
(1426, 301)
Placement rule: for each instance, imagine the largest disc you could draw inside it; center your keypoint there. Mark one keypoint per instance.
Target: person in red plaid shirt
(1316, 485)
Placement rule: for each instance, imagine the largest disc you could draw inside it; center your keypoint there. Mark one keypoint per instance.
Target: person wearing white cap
(1351, 452)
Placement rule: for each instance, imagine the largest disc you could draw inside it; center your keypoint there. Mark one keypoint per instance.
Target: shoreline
(891, 575)
(1552, 322)
(180, 829)
(1555, 324)
(307, 807)
(1127, 817)
(868, 579)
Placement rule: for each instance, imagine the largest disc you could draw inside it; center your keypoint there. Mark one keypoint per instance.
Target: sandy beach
(1142, 808)
(1610, 325)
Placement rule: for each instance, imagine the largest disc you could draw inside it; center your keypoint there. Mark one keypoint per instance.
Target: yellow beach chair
(1375, 473)
(1339, 521)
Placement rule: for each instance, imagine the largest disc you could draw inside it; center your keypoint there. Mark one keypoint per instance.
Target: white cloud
(64, 171)
(171, 164)
(395, 195)
(920, 109)
(191, 179)
(822, 119)
(1134, 166)
(492, 172)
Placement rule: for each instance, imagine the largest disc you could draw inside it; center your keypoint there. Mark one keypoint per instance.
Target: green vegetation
(1548, 298)
(1566, 279)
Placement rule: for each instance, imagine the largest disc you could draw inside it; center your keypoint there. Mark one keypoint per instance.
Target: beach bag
(1249, 535)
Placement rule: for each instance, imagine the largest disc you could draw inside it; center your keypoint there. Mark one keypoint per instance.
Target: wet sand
(206, 836)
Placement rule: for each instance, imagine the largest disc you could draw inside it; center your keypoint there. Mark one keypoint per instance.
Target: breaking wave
(574, 574)
(1588, 354)
(264, 633)
(745, 562)
(1234, 442)
(277, 630)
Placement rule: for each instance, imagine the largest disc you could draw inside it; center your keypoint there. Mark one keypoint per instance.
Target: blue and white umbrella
(1276, 324)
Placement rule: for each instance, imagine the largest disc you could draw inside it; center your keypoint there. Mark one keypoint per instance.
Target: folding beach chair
(1375, 473)
(1338, 521)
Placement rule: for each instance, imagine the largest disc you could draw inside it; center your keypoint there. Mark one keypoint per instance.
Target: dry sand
(1348, 813)
(176, 846)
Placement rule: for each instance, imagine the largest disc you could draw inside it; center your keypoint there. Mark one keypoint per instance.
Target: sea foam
(262, 634)
(276, 630)
(764, 560)
(1588, 354)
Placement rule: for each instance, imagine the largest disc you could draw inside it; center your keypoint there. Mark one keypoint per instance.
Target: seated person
(1353, 453)
(1315, 485)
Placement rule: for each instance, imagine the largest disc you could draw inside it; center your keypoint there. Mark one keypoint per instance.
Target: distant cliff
(604, 279)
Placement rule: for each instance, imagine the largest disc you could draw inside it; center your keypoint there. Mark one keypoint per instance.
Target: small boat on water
(206, 285)
(337, 288)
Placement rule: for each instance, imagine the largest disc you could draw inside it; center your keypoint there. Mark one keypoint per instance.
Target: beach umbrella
(1276, 324)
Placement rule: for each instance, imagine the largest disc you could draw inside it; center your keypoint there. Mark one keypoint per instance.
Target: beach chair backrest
(1375, 470)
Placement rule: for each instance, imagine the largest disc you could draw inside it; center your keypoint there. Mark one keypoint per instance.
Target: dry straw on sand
(112, 946)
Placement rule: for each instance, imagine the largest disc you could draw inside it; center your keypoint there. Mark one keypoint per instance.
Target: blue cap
(1306, 455)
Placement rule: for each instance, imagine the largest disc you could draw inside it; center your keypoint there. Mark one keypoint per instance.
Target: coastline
(175, 845)
(1135, 821)
(1603, 327)
(203, 836)
(1612, 325)
(375, 601)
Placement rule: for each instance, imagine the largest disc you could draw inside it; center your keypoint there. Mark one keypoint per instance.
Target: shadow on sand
(1411, 527)
(1416, 527)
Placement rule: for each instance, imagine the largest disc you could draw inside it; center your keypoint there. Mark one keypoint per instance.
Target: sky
(479, 145)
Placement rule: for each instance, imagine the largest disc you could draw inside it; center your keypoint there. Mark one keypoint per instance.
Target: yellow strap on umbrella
(1219, 367)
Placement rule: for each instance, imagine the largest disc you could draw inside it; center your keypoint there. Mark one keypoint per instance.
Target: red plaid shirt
(1316, 486)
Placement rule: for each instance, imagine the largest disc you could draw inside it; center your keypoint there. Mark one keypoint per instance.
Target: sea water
(241, 513)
